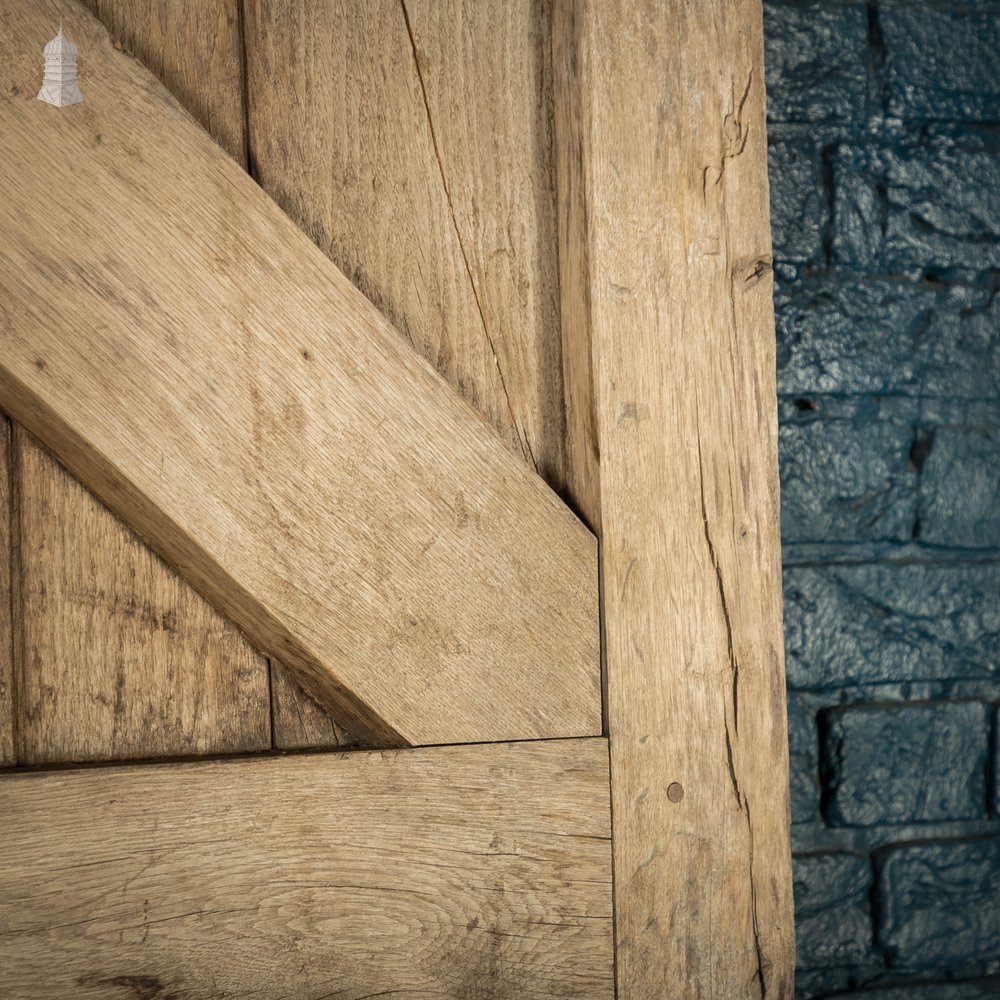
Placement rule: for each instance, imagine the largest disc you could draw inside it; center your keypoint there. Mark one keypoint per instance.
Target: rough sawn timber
(377, 128)
(117, 657)
(7, 699)
(412, 140)
(453, 872)
(196, 50)
(664, 183)
(199, 364)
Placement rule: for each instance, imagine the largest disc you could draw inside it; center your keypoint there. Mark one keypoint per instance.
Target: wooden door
(318, 406)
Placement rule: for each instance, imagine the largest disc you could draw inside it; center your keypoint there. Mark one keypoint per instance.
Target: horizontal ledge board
(199, 364)
(481, 871)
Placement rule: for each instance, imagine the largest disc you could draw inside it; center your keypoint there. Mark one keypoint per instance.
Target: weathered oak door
(320, 405)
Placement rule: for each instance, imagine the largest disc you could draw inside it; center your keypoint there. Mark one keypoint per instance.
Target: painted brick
(832, 925)
(860, 207)
(839, 334)
(886, 227)
(924, 77)
(983, 989)
(960, 480)
(928, 208)
(845, 471)
(941, 906)
(905, 763)
(803, 752)
(996, 762)
(870, 623)
(816, 61)
(960, 355)
(797, 207)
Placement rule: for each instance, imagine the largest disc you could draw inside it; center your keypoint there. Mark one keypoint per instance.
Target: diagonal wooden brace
(190, 355)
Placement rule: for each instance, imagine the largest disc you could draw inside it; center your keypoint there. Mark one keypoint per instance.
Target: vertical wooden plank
(674, 215)
(378, 128)
(120, 658)
(485, 73)
(7, 715)
(583, 460)
(195, 49)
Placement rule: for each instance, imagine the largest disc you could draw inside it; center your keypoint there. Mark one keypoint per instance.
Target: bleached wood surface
(413, 142)
(199, 364)
(117, 657)
(377, 127)
(455, 872)
(7, 707)
(666, 187)
(125, 660)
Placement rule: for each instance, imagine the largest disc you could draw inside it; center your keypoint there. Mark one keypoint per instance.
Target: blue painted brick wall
(884, 153)
(892, 763)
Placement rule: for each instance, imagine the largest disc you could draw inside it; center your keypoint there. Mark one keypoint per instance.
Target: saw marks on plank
(118, 657)
(461, 872)
(412, 142)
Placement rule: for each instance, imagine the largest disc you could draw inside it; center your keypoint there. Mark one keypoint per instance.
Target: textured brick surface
(920, 209)
(984, 989)
(940, 63)
(803, 748)
(831, 910)
(884, 142)
(874, 335)
(961, 479)
(905, 764)
(996, 762)
(845, 471)
(878, 622)
(797, 207)
(817, 61)
(941, 906)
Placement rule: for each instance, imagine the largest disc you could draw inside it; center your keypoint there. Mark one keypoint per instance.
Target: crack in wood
(741, 799)
(522, 434)
(734, 139)
(753, 908)
(733, 661)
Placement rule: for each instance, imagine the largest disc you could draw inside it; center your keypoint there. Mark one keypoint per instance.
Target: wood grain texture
(124, 660)
(377, 128)
(583, 458)
(298, 722)
(460, 872)
(195, 360)
(7, 699)
(380, 129)
(120, 658)
(678, 243)
(195, 49)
